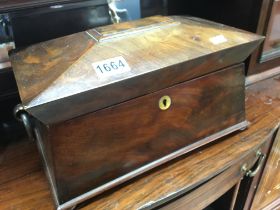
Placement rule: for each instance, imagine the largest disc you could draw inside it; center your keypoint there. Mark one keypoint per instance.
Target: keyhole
(164, 102)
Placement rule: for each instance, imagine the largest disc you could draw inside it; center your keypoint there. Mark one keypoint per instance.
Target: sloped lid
(81, 73)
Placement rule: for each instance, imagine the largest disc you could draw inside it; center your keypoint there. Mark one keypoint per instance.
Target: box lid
(73, 75)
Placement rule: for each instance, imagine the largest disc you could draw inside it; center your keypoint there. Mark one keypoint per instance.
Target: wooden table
(23, 184)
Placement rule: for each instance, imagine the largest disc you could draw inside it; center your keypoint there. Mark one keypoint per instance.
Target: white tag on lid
(111, 67)
(219, 39)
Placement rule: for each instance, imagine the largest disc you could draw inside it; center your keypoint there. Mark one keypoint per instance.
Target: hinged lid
(81, 73)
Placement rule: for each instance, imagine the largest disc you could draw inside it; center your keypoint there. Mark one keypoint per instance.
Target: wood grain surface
(22, 177)
(167, 55)
(269, 188)
(89, 151)
(202, 196)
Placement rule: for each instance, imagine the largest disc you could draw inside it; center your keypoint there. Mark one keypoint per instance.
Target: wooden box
(110, 103)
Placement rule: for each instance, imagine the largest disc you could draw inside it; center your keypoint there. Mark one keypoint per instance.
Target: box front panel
(91, 150)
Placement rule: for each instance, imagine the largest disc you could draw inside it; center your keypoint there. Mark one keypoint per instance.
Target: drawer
(230, 179)
(104, 148)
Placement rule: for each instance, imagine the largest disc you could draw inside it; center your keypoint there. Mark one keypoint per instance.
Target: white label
(218, 39)
(110, 67)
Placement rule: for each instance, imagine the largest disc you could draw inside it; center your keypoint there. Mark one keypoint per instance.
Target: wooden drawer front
(94, 149)
(268, 191)
(211, 190)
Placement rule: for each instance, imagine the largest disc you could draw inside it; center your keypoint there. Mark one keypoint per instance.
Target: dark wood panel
(14, 5)
(149, 191)
(8, 85)
(128, 136)
(45, 23)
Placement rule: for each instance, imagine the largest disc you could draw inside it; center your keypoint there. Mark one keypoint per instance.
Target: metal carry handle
(21, 115)
(253, 173)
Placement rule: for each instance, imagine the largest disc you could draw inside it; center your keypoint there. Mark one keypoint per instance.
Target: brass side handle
(248, 172)
(21, 115)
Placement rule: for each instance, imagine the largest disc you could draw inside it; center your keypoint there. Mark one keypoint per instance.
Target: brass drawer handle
(251, 173)
(164, 102)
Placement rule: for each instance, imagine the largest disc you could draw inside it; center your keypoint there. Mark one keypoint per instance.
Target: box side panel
(42, 136)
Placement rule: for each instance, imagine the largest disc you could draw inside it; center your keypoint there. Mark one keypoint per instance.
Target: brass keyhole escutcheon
(164, 102)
